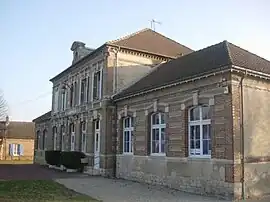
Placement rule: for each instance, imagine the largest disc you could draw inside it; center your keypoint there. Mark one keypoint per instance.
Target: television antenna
(153, 24)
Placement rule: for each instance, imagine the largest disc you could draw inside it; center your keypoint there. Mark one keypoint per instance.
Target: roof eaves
(223, 69)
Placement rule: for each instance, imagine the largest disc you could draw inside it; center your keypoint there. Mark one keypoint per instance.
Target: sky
(36, 36)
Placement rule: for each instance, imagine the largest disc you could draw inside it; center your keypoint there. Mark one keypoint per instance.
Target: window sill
(199, 158)
(127, 153)
(158, 154)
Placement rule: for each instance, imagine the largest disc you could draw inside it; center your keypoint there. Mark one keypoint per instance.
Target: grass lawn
(38, 190)
(16, 162)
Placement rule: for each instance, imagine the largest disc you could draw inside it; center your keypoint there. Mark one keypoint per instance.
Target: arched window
(83, 136)
(199, 131)
(72, 136)
(54, 137)
(158, 133)
(128, 135)
(62, 138)
(44, 139)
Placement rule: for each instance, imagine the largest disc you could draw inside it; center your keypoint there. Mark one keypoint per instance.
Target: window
(37, 140)
(83, 91)
(158, 133)
(200, 131)
(83, 136)
(54, 137)
(128, 135)
(63, 100)
(72, 137)
(44, 140)
(71, 95)
(62, 138)
(97, 83)
(75, 94)
(56, 95)
(15, 149)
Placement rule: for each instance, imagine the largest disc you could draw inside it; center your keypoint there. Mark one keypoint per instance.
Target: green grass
(38, 190)
(16, 162)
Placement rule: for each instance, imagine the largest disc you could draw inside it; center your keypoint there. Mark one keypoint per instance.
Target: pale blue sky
(35, 36)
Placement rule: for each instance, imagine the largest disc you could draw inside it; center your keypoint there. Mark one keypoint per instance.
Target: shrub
(53, 157)
(72, 159)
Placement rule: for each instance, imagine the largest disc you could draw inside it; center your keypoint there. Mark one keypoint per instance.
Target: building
(16, 140)
(196, 121)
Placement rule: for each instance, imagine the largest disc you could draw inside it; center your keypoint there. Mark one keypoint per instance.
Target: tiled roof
(19, 130)
(153, 42)
(43, 117)
(209, 59)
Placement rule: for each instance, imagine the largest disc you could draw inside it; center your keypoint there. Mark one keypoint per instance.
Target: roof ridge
(226, 43)
(128, 36)
(229, 43)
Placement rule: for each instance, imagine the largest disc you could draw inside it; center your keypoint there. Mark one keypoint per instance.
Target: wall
(177, 170)
(256, 137)
(28, 146)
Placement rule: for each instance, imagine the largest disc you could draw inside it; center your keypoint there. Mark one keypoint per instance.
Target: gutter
(242, 132)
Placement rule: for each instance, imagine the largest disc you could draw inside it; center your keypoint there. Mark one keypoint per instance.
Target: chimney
(79, 50)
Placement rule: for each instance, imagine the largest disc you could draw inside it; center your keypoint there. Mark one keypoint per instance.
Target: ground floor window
(15, 149)
(128, 135)
(83, 136)
(158, 134)
(200, 131)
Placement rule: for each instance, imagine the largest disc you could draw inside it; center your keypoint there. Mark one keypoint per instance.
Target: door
(97, 145)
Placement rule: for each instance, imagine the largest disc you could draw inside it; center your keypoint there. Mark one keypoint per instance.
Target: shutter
(148, 133)
(22, 151)
(11, 149)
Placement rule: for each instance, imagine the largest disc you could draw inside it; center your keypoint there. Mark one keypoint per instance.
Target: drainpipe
(242, 136)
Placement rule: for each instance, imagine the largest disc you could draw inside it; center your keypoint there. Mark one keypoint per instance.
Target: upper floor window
(97, 83)
(83, 91)
(54, 137)
(56, 95)
(200, 131)
(158, 133)
(128, 135)
(71, 98)
(63, 99)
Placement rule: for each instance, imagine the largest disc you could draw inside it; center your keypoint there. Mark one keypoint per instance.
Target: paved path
(110, 190)
(32, 172)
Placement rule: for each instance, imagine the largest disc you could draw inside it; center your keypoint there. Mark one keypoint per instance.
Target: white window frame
(159, 126)
(83, 133)
(54, 138)
(72, 134)
(130, 131)
(201, 122)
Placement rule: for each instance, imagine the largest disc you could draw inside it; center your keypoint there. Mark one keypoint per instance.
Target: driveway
(111, 190)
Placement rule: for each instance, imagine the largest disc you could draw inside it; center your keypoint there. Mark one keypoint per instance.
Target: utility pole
(153, 24)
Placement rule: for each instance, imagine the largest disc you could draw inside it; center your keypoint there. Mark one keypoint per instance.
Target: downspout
(242, 137)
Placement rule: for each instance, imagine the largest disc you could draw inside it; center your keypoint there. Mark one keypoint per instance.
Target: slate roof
(150, 41)
(210, 59)
(43, 117)
(19, 130)
(145, 40)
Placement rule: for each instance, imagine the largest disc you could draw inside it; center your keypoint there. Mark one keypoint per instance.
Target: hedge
(69, 159)
(53, 157)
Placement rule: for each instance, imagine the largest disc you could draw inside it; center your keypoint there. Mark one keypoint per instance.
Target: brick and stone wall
(212, 176)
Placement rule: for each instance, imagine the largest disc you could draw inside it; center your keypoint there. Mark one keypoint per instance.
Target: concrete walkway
(110, 190)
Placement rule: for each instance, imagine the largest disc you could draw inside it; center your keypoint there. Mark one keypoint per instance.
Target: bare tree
(3, 107)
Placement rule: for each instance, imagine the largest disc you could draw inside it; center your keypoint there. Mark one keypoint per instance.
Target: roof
(20, 130)
(145, 40)
(149, 41)
(43, 117)
(210, 59)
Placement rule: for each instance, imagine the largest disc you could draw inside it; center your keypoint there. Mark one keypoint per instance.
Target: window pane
(206, 131)
(195, 132)
(205, 112)
(155, 119)
(131, 121)
(206, 147)
(198, 144)
(162, 140)
(155, 141)
(97, 124)
(195, 114)
(192, 146)
(126, 136)
(131, 141)
(162, 121)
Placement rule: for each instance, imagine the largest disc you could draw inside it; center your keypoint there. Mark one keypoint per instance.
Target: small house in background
(16, 140)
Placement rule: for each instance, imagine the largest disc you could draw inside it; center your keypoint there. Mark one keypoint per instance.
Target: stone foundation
(200, 176)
